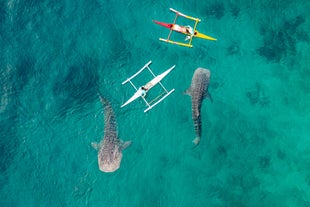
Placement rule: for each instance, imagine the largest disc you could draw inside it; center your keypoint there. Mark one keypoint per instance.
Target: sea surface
(255, 146)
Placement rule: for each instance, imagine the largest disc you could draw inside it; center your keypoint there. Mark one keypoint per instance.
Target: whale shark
(110, 147)
(198, 91)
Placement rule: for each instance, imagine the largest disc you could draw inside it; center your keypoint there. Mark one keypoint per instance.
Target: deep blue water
(56, 56)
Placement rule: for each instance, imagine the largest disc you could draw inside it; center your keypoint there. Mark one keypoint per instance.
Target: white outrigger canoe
(141, 91)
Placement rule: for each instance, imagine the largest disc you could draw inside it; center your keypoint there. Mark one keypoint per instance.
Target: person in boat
(189, 32)
(143, 91)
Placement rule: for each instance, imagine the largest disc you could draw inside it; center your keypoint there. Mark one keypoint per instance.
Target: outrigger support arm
(175, 20)
(196, 23)
(151, 106)
(137, 73)
(184, 15)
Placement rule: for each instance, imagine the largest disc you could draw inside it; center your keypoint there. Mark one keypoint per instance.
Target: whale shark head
(110, 154)
(110, 166)
(109, 160)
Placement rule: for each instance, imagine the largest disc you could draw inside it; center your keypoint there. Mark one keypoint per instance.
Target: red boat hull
(163, 24)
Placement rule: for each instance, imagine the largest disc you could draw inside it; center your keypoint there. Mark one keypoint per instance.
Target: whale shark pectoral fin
(208, 95)
(124, 145)
(95, 145)
(188, 91)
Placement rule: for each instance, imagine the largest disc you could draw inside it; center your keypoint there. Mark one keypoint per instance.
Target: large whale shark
(110, 147)
(198, 91)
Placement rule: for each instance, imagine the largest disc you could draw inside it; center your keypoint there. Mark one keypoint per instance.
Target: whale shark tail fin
(196, 141)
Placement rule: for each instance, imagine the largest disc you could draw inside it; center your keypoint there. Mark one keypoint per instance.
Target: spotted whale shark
(198, 91)
(110, 147)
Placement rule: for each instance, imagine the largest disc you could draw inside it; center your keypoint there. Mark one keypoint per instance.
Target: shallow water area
(56, 57)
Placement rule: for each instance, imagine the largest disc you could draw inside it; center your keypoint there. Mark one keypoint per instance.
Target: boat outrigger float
(141, 91)
(183, 29)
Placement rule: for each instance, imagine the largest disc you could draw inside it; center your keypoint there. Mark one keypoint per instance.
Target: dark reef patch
(8, 141)
(280, 42)
(307, 179)
(221, 151)
(120, 50)
(2, 13)
(216, 9)
(234, 11)
(281, 154)
(233, 49)
(78, 86)
(257, 96)
(264, 162)
(25, 69)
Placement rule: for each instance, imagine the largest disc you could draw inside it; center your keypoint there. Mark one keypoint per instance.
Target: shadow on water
(77, 87)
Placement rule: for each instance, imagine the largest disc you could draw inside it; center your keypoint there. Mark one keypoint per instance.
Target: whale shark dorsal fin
(124, 145)
(188, 91)
(95, 145)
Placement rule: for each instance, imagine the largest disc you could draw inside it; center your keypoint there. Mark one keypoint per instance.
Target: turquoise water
(254, 150)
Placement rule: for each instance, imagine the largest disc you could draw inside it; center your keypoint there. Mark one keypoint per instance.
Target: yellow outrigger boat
(188, 31)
